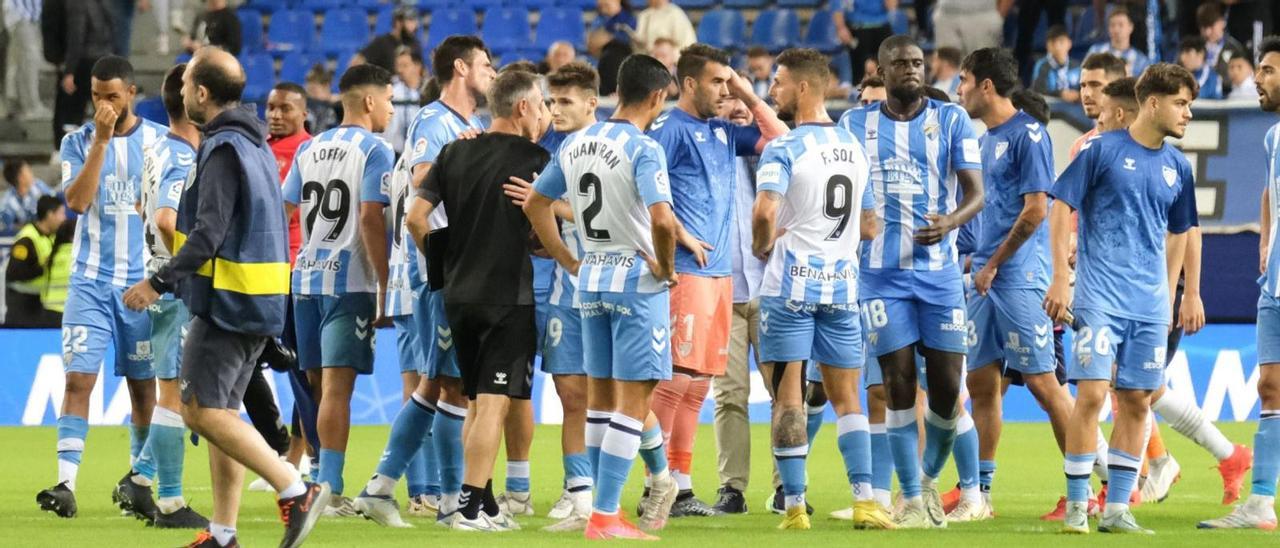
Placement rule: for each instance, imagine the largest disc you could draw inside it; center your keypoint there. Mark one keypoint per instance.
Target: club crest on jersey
(722, 136)
(1001, 148)
(931, 130)
(1170, 175)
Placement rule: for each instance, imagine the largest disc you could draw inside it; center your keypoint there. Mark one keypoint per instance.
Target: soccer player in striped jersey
(165, 170)
(340, 182)
(1259, 510)
(1123, 260)
(102, 178)
(809, 184)
(462, 64)
(622, 202)
(912, 292)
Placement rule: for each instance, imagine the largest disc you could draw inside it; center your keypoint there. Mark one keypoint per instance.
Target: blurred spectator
(18, 204)
(559, 54)
(836, 88)
(217, 25)
(406, 94)
(1057, 74)
(666, 52)
(1218, 45)
(1119, 30)
(520, 65)
(168, 15)
(23, 59)
(122, 15)
(871, 67)
(1029, 12)
(384, 50)
(616, 17)
(969, 25)
(760, 70)
(1193, 57)
(286, 131)
(90, 32)
(1240, 72)
(608, 52)
(946, 69)
(871, 90)
(861, 26)
(35, 283)
(322, 108)
(662, 19)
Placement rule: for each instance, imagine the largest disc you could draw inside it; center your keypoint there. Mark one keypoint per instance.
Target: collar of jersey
(464, 120)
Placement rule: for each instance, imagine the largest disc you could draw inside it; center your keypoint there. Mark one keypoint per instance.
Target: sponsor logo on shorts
(1013, 343)
(1157, 359)
(141, 352)
(957, 322)
(599, 308)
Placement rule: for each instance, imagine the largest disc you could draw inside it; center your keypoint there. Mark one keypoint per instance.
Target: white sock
(683, 481)
(882, 497)
(295, 489)
(1101, 457)
(1185, 418)
(971, 494)
(380, 485)
(169, 505)
(67, 471)
(581, 502)
(1113, 508)
(222, 533)
(139, 479)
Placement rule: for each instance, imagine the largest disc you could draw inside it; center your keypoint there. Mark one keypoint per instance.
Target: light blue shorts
(562, 346)
(437, 337)
(1137, 349)
(792, 331)
(407, 344)
(1010, 325)
(626, 336)
(95, 317)
(335, 331)
(169, 318)
(1268, 329)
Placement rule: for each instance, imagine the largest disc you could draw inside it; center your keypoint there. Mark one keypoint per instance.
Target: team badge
(1001, 148)
(931, 130)
(720, 134)
(1170, 175)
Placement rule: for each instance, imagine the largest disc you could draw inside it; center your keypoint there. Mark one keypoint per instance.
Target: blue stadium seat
(898, 20)
(722, 28)
(267, 6)
(152, 108)
(374, 5)
(739, 4)
(295, 66)
(821, 34)
(539, 5)
(344, 29)
(382, 20)
(589, 5)
(250, 30)
(506, 29)
(291, 30)
(319, 6)
(560, 24)
(776, 30)
(696, 4)
(800, 3)
(260, 75)
(448, 22)
(476, 5)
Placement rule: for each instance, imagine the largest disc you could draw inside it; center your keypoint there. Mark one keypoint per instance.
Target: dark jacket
(90, 33)
(219, 28)
(232, 261)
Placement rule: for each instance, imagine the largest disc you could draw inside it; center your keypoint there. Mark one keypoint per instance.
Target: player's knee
(815, 395)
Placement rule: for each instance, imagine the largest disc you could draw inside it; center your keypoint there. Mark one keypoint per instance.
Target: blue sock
(577, 472)
(904, 443)
(315, 469)
(1266, 454)
(137, 440)
(167, 448)
(517, 476)
(881, 459)
(854, 440)
(415, 476)
(1123, 469)
(813, 423)
(332, 463)
(1077, 468)
(430, 466)
(791, 462)
(653, 451)
(72, 431)
(940, 436)
(446, 435)
(407, 432)
(987, 472)
(965, 451)
(617, 453)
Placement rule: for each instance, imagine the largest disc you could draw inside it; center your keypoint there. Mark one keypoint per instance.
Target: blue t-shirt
(615, 23)
(700, 161)
(861, 13)
(1017, 159)
(1270, 281)
(1132, 57)
(1127, 196)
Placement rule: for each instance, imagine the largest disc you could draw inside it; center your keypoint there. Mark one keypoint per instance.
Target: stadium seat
(250, 30)
(374, 5)
(152, 108)
(821, 34)
(448, 22)
(476, 5)
(539, 5)
(506, 29)
(898, 20)
(291, 30)
(750, 4)
(382, 20)
(776, 30)
(800, 3)
(267, 6)
(295, 66)
(344, 29)
(560, 24)
(320, 6)
(260, 75)
(696, 4)
(722, 28)
(589, 5)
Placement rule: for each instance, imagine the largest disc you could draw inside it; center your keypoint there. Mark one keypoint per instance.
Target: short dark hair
(1164, 79)
(508, 89)
(11, 169)
(171, 93)
(638, 76)
(757, 51)
(871, 81)
(47, 204)
(364, 75)
(1124, 89)
(1112, 65)
(894, 42)
(576, 74)
(430, 91)
(1118, 11)
(937, 94)
(112, 67)
(1192, 43)
(1270, 44)
(949, 55)
(455, 47)
(521, 65)
(224, 86)
(807, 64)
(1208, 14)
(694, 59)
(1031, 103)
(290, 87)
(1055, 32)
(995, 64)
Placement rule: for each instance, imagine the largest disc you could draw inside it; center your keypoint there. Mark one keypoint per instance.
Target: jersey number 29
(331, 201)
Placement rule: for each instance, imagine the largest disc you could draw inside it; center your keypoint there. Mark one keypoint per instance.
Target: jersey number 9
(839, 204)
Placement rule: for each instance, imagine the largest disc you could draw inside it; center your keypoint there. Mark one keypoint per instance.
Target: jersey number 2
(589, 185)
(332, 202)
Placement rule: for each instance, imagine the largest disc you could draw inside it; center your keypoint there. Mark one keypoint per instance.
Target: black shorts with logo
(495, 346)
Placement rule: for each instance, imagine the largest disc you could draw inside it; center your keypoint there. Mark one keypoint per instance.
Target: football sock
(854, 441)
(471, 501)
(404, 443)
(415, 476)
(904, 442)
(1076, 467)
(617, 453)
(1180, 411)
(685, 429)
(446, 432)
(167, 448)
(1124, 476)
(1155, 444)
(518, 476)
(652, 450)
(881, 463)
(430, 465)
(597, 425)
(791, 469)
(222, 533)
(332, 463)
(965, 452)
(137, 439)
(813, 421)
(987, 473)
(940, 435)
(72, 431)
(577, 473)
(1266, 454)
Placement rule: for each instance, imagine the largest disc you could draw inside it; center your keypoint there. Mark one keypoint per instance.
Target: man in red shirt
(286, 120)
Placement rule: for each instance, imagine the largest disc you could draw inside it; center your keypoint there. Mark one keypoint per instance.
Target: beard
(787, 112)
(120, 121)
(906, 95)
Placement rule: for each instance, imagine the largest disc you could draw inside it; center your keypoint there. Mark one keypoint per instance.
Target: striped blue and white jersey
(912, 163)
(821, 172)
(108, 242)
(564, 286)
(332, 175)
(615, 172)
(406, 270)
(166, 169)
(1270, 281)
(435, 126)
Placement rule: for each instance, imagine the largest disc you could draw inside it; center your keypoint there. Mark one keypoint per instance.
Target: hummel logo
(1035, 126)
(499, 378)
(659, 342)
(1130, 164)
(362, 322)
(1035, 136)
(183, 384)
(764, 321)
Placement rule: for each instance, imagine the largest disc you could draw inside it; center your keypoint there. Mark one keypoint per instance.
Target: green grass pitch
(1028, 482)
